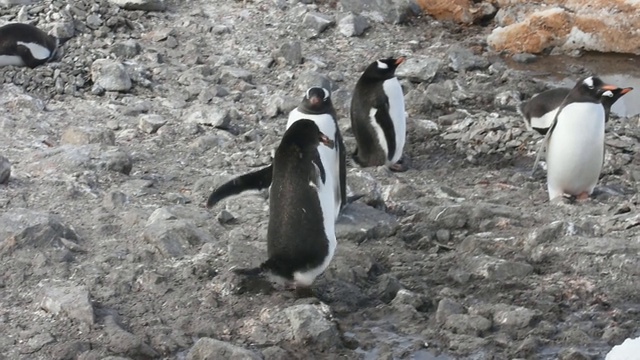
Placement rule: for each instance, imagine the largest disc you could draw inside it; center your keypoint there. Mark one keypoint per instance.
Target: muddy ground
(107, 250)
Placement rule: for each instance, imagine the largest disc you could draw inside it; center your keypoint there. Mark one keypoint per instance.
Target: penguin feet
(583, 197)
(401, 166)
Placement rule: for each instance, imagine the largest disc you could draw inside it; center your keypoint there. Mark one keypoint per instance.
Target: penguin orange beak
(608, 87)
(326, 141)
(625, 90)
(400, 60)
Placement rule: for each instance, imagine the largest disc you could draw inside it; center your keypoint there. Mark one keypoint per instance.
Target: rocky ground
(107, 250)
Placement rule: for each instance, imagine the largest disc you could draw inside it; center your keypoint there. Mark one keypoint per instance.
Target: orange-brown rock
(462, 11)
(591, 25)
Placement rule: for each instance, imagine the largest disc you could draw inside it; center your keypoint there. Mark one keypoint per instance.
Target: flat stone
(216, 117)
(467, 324)
(393, 11)
(174, 237)
(120, 341)
(497, 269)
(310, 325)
(210, 349)
(70, 301)
(5, 170)
(317, 22)
(439, 94)
(359, 222)
(353, 25)
(38, 341)
(290, 52)
(126, 49)
(234, 73)
(418, 69)
(87, 135)
(115, 200)
(517, 317)
(447, 307)
(23, 227)
(462, 59)
(151, 123)
(110, 75)
(116, 160)
(144, 5)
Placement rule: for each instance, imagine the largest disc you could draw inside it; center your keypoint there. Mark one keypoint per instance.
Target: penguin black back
(27, 44)
(296, 238)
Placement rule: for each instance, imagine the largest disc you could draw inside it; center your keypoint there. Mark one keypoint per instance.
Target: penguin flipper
(256, 180)
(342, 171)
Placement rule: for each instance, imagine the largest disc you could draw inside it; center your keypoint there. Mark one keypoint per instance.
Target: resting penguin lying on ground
(26, 45)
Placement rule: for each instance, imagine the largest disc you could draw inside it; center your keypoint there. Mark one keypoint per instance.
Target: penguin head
(316, 98)
(306, 135)
(609, 97)
(383, 68)
(593, 87)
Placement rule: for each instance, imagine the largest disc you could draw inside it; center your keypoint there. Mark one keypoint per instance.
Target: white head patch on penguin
(26, 45)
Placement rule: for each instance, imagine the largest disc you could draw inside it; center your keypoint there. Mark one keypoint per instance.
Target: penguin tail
(354, 198)
(356, 158)
(256, 271)
(256, 180)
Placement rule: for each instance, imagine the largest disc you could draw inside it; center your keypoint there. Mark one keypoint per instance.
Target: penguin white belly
(393, 90)
(330, 157)
(544, 122)
(576, 150)
(7, 60)
(37, 51)
(327, 200)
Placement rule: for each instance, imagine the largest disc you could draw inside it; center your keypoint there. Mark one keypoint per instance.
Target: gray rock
(309, 79)
(406, 297)
(211, 116)
(144, 5)
(497, 269)
(126, 49)
(574, 354)
(275, 353)
(63, 30)
(310, 324)
(71, 301)
(115, 200)
(317, 22)
(359, 222)
(391, 11)
(386, 287)
(466, 343)
(93, 21)
(228, 73)
(515, 317)
(151, 123)
(22, 227)
(525, 58)
(110, 75)
(446, 308)
(467, 324)
(5, 170)
(280, 104)
(16, 2)
(418, 69)
(116, 160)
(353, 25)
(439, 94)
(87, 135)
(172, 236)
(209, 349)
(289, 52)
(36, 342)
(207, 142)
(121, 341)
(507, 100)
(463, 59)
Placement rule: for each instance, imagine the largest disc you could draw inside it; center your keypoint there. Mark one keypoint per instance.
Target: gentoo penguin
(26, 45)
(377, 116)
(317, 107)
(301, 238)
(540, 110)
(575, 141)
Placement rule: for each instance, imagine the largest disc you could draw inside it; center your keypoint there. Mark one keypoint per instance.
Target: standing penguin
(540, 110)
(301, 238)
(26, 45)
(377, 116)
(317, 107)
(575, 141)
